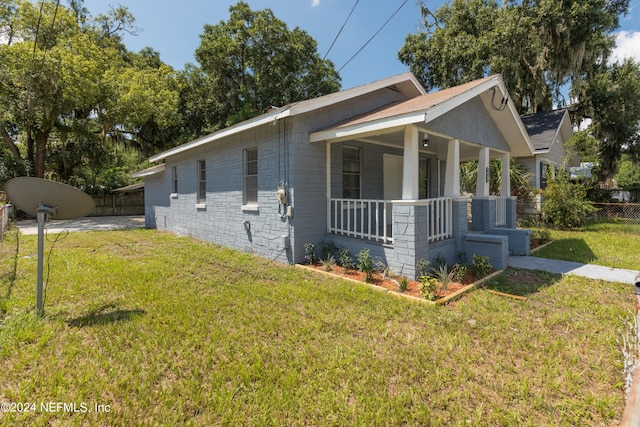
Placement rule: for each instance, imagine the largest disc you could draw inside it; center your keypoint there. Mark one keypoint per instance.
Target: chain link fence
(626, 211)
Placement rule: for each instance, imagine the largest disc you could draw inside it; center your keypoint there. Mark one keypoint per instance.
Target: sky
(173, 29)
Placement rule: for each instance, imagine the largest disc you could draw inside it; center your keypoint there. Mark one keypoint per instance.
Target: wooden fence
(119, 204)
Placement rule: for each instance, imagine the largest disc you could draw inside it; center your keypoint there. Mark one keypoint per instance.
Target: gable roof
(427, 107)
(405, 83)
(545, 127)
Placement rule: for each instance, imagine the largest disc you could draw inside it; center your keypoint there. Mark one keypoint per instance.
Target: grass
(605, 243)
(164, 330)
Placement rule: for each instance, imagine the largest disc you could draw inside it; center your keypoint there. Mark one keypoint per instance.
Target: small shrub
(383, 268)
(365, 264)
(328, 263)
(540, 234)
(328, 249)
(480, 266)
(310, 253)
(423, 267)
(444, 276)
(564, 204)
(403, 284)
(461, 257)
(438, 262)
(428, 287)
(459, 272)
(346, 260)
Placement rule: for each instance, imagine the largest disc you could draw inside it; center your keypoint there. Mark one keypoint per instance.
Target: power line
(310, 95)
(374, 35)
(341, 28)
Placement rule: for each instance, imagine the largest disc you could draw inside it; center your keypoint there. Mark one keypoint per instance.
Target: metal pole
(42, 216)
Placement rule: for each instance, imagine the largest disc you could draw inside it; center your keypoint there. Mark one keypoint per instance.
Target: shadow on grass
(10, 276)
(103, 315)
(569, 249)
(522, 282)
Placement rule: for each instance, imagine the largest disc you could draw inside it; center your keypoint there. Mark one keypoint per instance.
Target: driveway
(91, 223)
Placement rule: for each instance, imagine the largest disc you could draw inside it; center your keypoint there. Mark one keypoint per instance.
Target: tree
(538, 46)
(252, 62)
(64, 78)
(628, 177)
(610, 97)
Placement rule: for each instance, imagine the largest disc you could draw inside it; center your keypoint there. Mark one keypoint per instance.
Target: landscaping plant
(428, 286)
(403, 284)
(328, 263)
(365, 264)
(444, 276)
(346, 260)
(565, 204)
(480, 266)
(310, 253)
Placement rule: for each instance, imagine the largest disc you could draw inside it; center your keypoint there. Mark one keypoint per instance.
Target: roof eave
(154, 170)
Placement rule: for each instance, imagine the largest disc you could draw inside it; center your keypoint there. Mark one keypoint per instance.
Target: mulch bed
(391, 283)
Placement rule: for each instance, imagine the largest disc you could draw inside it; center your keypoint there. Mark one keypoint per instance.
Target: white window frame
(250, 172)
(174, 182)
(359, 173)
(201, 190)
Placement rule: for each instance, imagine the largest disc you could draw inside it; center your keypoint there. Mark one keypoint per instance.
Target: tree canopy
(252, 62)
(541, 48)
(66, 80)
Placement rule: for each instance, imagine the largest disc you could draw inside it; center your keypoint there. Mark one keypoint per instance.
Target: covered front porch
(393, 181)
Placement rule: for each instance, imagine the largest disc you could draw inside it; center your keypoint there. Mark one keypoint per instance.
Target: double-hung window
(351, 170)
(202, 182)
(251, 176)
(174, 180)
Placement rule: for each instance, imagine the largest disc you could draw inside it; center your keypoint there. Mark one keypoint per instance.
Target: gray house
(548, 132)
(375, 166)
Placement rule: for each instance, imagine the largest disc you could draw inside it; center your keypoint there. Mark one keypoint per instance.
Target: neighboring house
(375, 166)
(548, 132)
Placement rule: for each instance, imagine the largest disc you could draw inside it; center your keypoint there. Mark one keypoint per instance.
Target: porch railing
(366, 219)
(439, 218)
(501, 211)
(373, 219)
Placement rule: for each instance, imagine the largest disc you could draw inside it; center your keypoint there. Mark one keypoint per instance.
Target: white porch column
(452, 171)
(505, 191)
(482, 183)
(410, 164)
(328, 168)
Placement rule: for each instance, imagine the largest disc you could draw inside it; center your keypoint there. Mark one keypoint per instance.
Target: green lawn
(164, 330)
(605, 243)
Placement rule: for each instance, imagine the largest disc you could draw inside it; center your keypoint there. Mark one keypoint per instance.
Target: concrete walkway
(590, 271)
(87, 223)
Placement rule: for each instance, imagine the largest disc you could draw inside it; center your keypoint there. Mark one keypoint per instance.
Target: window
(251, 176)
(174, 180)
(546, 172)
(351, 166)
(202, 182)
(424, 170)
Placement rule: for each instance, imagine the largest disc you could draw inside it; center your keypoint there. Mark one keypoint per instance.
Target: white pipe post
(42, 217)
